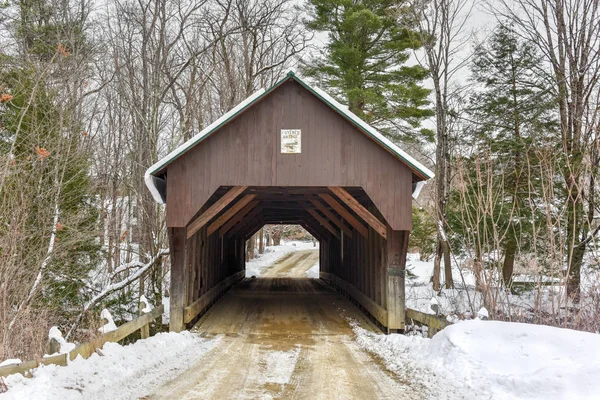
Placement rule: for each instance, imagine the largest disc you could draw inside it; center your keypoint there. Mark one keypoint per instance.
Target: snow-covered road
(286, 338)
(282, 337)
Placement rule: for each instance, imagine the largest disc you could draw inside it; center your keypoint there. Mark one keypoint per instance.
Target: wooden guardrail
(378, 312)
(190, 312)
(433, 322)
(85, 350)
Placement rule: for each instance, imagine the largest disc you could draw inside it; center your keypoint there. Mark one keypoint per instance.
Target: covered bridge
(288, 155)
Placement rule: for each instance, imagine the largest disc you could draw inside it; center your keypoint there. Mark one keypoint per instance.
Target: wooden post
(178, 247)
(396, 248)
(144, 330)
(53, 346)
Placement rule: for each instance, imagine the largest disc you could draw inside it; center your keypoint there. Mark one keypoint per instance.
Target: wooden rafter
(324, 223)
(253, 228)
(227, 215)
(359, 209)
(213, 210)
(332, 217)
(311, 231)
(247, 219)
(312, 224)
(238, 217)
(356, 224)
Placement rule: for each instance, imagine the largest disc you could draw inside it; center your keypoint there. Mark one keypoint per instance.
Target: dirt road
(284, 338)
(293, 265)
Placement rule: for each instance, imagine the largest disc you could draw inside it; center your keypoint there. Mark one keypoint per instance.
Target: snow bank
(313, 272)
(499, 360)
(123, 372)
(257, 266)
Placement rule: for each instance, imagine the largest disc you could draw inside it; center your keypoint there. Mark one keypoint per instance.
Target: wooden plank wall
(371, 267)
(208, 261)
(246, 152)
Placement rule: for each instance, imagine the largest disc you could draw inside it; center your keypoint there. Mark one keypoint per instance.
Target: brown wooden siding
(246, 152)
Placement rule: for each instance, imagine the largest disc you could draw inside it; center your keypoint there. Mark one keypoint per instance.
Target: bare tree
(567, 33)
(442, 33)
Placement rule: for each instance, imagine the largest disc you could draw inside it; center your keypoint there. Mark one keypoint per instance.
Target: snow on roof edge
(152, 181)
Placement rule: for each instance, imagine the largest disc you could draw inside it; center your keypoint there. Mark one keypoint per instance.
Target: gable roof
(156, 185)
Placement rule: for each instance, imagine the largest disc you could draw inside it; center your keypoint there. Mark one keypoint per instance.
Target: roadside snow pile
(123, 372)
(498, 360)
(272, 253)
(313, 272)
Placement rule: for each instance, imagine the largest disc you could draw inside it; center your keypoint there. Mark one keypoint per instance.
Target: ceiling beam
(245, 221)
(254, 228)
(324, 223)
(227, 215)
(359, 209)
(311, 231)
(311, 223)
(356, 224)
(213, 210)
(332, 217)
(238, 217)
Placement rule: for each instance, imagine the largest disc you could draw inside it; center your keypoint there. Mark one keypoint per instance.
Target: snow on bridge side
(122, 372)
(495, 360)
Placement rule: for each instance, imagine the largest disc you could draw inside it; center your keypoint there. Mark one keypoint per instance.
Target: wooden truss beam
(332, 217)
(359, 209)
(213, 210)
(311, 231)
(316, 228)
(345, 214)
(227, 215)
(246, 220)
(253, 228)
(237, 217)
(324, 223)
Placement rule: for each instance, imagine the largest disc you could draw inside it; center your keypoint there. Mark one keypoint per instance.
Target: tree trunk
(277, 237)
(575, 252)
(447, 265)
(435, 279)
(261, 242)
(510, 250)
(250, 246)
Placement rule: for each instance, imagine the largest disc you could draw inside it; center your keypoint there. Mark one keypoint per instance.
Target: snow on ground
(465, 300)
(256, 266)
(491, 359)
(123, 372)
(313, 272)
(420, 293)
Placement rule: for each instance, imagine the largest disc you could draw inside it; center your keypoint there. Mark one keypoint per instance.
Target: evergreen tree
(47, 200)
(512, 119)
(365, 63)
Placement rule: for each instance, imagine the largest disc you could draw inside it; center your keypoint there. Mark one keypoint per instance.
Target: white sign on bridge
(291, 141)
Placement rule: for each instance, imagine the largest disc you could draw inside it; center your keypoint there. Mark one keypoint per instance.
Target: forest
(506, 112)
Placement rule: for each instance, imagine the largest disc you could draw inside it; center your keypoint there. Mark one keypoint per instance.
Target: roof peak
(153, 182)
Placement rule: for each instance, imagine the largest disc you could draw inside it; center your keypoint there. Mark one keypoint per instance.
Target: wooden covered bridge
(288, 155)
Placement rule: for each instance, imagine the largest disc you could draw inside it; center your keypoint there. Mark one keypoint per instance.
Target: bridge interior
(359, 255)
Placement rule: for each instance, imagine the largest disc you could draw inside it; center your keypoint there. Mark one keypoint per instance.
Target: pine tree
(47, 197)
(365, 64)
(512, 115)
